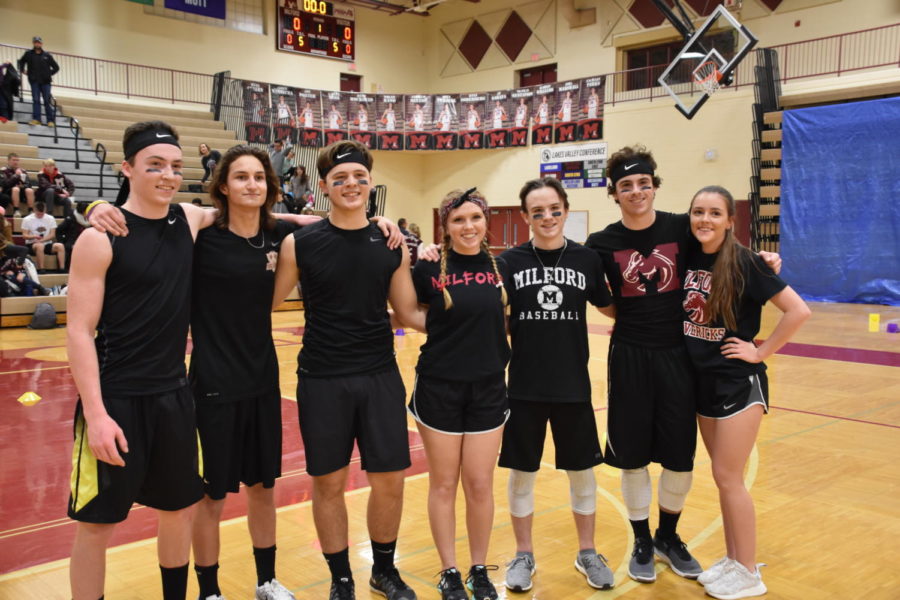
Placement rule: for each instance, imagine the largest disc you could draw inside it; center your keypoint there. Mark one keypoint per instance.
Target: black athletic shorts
(335, 411)
(162, 467)
(458, 407)
(572, 425)
(241, 442)
(720, 397)
(652, 408)
(48, 247)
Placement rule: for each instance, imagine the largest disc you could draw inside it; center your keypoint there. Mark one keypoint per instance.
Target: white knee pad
(673, 489)
(637, 493)
(520, 490)
(583, 491)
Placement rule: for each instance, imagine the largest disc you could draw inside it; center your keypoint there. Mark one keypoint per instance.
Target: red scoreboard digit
(317, 27)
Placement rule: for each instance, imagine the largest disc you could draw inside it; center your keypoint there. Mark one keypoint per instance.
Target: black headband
(148, 138)
(459, 201)
(350, 156)
(630, 167)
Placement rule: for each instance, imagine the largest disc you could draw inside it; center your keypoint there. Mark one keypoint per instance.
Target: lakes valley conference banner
(558, 113)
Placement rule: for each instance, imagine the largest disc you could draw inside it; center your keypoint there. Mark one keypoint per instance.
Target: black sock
(208, 580)
(641, 528)
(174, 582)
(339, 564)
(383, 555)
(265, 564)
(667, 524)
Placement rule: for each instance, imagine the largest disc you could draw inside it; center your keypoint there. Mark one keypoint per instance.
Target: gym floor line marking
(33, 370)
(827, 416)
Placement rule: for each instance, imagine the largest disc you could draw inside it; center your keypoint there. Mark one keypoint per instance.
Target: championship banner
(471, 111)
(522, 99)
(362, 119)
(568, 95)
(418, 122)
(592, 93)
(497, 119)
(446, 122)
(309, 117)
(334, 117)
(542, 109)
(256, 112)
(284, 111)
(389, 127)
(576, 166)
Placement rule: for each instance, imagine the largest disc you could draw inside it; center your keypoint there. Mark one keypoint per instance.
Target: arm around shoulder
(199, 218)
(286, 273)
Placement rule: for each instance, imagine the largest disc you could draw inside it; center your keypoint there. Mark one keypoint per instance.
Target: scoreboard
(317, 27)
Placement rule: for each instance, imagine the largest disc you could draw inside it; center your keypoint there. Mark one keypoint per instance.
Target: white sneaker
(273, 590)
(215, 597)
(715, 571)
(737, 583)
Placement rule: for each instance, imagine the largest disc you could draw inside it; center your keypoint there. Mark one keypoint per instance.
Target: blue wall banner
(207, 8)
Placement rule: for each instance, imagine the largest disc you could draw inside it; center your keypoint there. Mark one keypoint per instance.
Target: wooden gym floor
(823, 474)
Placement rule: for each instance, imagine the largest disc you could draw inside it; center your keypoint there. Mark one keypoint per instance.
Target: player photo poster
(334, 116)
(389, 127)
(284, 113)
(309, 117)
(497, 113)
(418, 122)
(446, 122)
(568, 95)
(590, 127)
(542, 109)
(471, 113)
(362, 119)
(256, 112)
(521, 100)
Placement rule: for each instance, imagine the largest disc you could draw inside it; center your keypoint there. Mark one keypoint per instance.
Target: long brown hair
(220, 178)
(727, 272)
(449, 199)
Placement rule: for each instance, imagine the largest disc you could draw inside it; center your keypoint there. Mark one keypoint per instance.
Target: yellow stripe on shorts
(84, 483)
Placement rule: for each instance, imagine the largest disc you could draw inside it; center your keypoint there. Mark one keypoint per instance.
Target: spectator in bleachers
(14, 184)
(7, 248)
(288, 170)
(39, 231)
(15, 280)
(277, 154)
(54, 187)
(300, 186)
(413, 240)
(197, 202)
(10, 82)
(208, 158)
(70, 229)
(40, 67)
(402, 225)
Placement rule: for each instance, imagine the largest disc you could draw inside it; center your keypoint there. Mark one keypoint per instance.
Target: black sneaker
(480, 584)
(640, 567)
(342, 590)
(673, 552)
(451, 585)
(389, 585)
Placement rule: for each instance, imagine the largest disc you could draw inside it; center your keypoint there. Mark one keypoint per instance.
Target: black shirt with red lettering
(468, 341)
(704, 339)
(645, 269)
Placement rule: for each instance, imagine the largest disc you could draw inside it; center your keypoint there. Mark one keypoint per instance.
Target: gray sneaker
(595, 569)
(519, 572)
(640, 567)
(674, 553)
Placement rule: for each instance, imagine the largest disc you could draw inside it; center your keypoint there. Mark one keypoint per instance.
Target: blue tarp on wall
(840, 201)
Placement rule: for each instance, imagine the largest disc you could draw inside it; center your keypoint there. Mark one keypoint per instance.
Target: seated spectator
(413, 240)
(301, 187)
(10, 81)
(54, 187)
(208, 158)
(14, 184)
(70, 229)
(280, 206)
(15, 281)
(307, 210)
(39, 231)
(7, 248)
(197, 202)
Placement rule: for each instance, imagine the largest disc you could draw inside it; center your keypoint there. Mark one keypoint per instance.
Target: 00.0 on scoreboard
(317, 27)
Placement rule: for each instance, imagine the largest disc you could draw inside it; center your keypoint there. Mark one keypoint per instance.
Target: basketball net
(707, 76)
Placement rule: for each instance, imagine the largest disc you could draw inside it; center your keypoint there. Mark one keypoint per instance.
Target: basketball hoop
(708, 76)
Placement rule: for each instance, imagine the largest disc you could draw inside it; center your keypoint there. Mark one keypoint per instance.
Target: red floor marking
(818, 414)
(857, 355)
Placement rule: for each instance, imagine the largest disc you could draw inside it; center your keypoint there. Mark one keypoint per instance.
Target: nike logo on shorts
(729, 406)
(371, 239)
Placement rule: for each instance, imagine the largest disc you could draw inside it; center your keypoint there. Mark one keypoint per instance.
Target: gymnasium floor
(824, 477)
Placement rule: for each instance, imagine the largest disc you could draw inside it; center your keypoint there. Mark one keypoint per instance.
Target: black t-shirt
(345, 276)
(467, 342)
(704, 340)
(644, 269)
(231, 316)
(142, 331)
(548, 297)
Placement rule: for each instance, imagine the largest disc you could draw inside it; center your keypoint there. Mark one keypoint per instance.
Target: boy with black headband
(652, 407)
(135, 435)
(349, 385)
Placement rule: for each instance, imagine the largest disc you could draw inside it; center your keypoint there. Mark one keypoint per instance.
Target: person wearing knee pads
(551, 281)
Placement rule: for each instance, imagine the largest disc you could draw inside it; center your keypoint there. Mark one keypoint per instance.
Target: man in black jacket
(41, 68)
(9, 87)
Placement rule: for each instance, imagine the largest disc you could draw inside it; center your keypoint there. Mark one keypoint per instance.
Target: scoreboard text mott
(317, 27)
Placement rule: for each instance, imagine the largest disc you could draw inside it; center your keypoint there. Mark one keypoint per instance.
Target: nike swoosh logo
(163, 135)
(340, 156)
(729, 406)
(627, 167)
(371, 239)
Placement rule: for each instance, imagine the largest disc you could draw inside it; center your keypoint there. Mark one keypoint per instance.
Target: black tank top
(142, 333)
